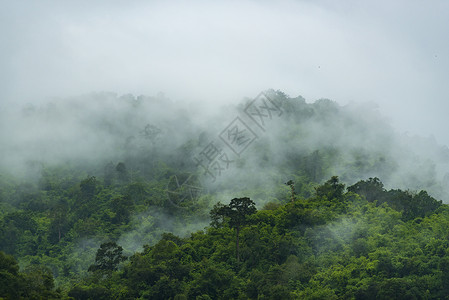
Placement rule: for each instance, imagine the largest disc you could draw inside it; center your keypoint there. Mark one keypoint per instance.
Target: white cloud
(395, 54)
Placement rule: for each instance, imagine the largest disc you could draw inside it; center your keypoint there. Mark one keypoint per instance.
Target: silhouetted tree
(372, 189)
(332, 189)
(235, 214)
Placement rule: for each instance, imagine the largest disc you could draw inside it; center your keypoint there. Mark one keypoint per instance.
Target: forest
(122, 197)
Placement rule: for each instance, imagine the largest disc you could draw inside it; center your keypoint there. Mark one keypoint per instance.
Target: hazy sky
(394, 53)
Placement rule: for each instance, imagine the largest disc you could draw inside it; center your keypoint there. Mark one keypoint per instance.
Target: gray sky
(393, 53)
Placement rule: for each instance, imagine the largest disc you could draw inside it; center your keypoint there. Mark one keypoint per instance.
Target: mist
(90, 132)
(121, 121)
(393, 54)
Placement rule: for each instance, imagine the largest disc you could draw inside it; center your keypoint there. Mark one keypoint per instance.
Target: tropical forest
(107, 196)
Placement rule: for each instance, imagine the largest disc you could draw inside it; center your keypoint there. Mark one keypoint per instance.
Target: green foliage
(372, 189)
(331, 189)
(313, 239)
(366, 242)
(35, 282)
(9, 279)
(411, 205)
(108, 257)
(235, 215)
(360, 243)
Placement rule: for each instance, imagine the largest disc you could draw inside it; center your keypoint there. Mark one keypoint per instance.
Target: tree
(38, 283)
(291, 184)
(16, 233)
(151, 132)
(313, 165)
(235, 214)
(372, 189)
(88, 190)
(122, 207)
(108, 178)
(59, 224)
(122, 172)
(108, 257)
(88, 187)
(332, 189)
(9, 279)
(217, 215)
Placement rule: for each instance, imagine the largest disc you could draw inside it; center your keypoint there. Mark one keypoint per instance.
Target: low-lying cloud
(394, 54)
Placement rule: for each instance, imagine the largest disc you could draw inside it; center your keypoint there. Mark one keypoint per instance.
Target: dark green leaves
(108, 257)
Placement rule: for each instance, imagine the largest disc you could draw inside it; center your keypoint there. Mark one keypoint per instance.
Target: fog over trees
(108, 196)
(224, 149)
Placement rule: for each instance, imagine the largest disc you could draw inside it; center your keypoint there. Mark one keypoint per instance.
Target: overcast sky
(393, 53)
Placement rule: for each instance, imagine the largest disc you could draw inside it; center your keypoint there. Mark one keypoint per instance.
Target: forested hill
(287, 137)
(107, 197)
(337, 244)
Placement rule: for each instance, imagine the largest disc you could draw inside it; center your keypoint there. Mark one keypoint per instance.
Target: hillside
(116, 197)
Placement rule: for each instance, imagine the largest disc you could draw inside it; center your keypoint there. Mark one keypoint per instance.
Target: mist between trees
(83, 172)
